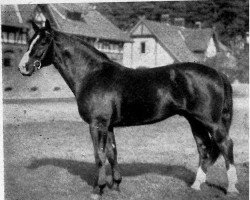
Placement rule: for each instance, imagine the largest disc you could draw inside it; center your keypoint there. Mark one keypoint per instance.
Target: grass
(54, 160)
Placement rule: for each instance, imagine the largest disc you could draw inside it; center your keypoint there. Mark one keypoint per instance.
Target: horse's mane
(85, 44)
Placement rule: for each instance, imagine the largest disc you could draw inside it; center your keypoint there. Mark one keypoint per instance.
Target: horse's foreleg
(112, 157)
(99, 137)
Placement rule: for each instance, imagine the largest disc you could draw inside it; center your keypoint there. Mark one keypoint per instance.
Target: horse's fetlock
(117, 177)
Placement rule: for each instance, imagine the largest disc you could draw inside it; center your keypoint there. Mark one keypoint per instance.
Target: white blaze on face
(25, 57)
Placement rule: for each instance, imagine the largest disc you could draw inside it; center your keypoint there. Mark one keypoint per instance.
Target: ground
(48, 154)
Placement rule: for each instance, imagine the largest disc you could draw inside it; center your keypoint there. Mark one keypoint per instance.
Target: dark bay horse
(110, 95)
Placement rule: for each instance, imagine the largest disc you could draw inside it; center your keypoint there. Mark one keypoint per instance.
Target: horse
(110, 95)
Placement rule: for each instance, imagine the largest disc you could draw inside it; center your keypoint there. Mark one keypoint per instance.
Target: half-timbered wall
(145, 51)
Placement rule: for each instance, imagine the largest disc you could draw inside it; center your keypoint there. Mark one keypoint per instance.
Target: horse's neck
(72, 61)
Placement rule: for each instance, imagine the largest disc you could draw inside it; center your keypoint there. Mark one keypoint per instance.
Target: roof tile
(93, 24)
(198, 39)
(172, 39)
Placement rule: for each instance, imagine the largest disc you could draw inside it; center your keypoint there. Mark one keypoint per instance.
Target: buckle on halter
(37, 64)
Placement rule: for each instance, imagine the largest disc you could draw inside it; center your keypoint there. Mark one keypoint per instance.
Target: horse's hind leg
(112, 157)
(225, 145)
(207, 149)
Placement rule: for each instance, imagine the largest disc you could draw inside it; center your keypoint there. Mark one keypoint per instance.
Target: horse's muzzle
(23, 70)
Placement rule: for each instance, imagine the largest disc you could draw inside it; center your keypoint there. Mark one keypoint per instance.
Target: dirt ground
(48, 154)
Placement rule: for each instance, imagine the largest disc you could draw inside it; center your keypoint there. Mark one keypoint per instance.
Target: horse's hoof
(196, 186)
(116, 187)
(95, 196)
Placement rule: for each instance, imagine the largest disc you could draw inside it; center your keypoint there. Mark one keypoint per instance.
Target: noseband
(37, 64)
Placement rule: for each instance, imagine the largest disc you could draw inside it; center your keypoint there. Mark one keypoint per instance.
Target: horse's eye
(45, 41)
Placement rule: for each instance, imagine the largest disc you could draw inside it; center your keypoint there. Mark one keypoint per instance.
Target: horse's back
(184, 88)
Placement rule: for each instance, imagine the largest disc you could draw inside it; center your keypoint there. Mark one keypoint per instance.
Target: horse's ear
(34, 26)
(47, 25)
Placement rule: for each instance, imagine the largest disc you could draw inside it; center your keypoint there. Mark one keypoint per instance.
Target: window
(11, 38)
(143, 47)
(8, 58)
(105, 46)
(14, 37)
(77, 16)
(24, 38)
(4, 37)
(7, 62)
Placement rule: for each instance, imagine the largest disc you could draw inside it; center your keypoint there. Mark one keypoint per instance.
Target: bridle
(38, 63)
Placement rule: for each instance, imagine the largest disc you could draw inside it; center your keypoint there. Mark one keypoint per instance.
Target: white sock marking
(200, 178)
(232, 179)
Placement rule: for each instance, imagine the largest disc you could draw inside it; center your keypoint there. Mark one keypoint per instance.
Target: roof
(93, 24)
(197, 39)
(16, 15)
(171, 38)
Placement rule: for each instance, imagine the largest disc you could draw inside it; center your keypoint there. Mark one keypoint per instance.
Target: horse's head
(40, 52)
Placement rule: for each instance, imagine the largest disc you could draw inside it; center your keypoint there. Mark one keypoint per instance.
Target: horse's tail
(227, 111)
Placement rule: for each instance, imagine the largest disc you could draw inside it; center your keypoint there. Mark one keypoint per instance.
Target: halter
(38, 63)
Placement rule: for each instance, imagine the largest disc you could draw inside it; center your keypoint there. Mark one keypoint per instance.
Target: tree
(229, 17)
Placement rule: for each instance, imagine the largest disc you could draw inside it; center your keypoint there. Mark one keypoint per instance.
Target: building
(202, 42)
(78, 19)
(86, 22)
(82, 20)
(159, 43)
(14, 32)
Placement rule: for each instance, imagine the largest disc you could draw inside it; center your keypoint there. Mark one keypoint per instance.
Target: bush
(234, 67)
(33, 89)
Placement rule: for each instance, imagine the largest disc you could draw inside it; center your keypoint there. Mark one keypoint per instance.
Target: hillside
(229, 17)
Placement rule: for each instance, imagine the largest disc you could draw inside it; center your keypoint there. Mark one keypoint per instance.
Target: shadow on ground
(87, 170)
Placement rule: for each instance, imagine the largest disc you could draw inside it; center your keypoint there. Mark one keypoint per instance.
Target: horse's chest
(96, 104)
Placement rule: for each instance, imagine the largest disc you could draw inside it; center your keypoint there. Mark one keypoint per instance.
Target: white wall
(146, 59)
(127, 54)
(211, 49)
(163, 58)
(154, 54)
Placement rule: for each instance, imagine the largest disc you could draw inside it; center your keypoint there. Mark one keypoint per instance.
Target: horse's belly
(140, 113)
